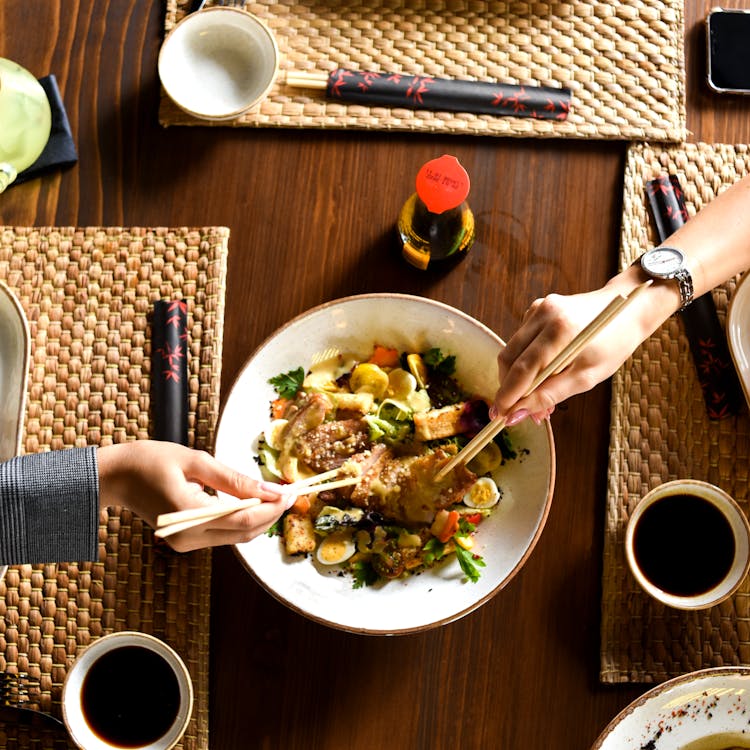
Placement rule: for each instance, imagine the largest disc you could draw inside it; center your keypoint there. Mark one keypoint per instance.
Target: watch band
(685, 281)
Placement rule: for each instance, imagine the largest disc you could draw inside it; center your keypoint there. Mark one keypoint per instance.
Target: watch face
(663, 261)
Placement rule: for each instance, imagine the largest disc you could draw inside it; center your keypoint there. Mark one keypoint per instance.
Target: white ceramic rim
(184, 26)
(682, 681)
(71, 701)
(738, 332)
(740, 530)
(455, 614)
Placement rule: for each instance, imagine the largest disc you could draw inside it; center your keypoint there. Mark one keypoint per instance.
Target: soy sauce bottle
(436, 224)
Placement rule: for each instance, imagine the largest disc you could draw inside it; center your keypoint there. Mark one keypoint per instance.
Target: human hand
(548, 326)
(151, 477)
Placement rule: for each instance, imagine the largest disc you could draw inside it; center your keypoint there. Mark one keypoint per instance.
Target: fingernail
(517, 416)
(271, 487)
(291, 500)
(493, 412)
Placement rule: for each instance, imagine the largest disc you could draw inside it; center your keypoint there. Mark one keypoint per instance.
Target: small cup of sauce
(127, 690)
(687, 544)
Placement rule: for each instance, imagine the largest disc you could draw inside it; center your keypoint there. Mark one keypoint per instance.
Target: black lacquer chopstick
(446, 94)
(708, 342)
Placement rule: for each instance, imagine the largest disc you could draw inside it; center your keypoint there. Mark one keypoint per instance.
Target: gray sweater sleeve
(49, 507)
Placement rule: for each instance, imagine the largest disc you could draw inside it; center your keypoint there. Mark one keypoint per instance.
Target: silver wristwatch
(669, 263)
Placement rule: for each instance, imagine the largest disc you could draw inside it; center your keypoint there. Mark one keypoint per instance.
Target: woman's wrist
(655, 305)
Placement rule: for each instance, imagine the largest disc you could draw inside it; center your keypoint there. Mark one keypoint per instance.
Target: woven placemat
(88, 294)
(623, 61)
(659, 431)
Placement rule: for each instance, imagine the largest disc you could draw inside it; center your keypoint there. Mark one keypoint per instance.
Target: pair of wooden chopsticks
(557, 365)
(181, 520)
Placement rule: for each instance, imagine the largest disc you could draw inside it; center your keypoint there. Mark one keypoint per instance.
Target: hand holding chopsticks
(557, 365)
(168, 524)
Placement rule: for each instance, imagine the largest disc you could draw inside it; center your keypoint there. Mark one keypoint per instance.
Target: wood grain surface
(312, 219)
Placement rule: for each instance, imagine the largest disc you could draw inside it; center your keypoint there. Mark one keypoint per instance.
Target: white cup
(687, 544)
(126, 690)
(218, 63)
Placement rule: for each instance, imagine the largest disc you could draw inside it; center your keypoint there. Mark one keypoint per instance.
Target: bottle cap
(442, 184)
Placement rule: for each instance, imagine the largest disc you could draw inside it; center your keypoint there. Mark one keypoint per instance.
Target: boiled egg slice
(401, 383)
(484, 493)
(273, 433)
(336, 548)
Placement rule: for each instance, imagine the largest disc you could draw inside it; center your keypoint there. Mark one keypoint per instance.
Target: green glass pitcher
(25, 120)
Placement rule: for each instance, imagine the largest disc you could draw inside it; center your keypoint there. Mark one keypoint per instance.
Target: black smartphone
(728, 38)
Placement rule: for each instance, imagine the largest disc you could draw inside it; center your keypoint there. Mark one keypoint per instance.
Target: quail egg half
(484, 493)
(335, 548)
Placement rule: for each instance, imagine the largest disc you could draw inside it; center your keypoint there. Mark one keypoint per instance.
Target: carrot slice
(384, 357)
(445, 525)
(278, 407)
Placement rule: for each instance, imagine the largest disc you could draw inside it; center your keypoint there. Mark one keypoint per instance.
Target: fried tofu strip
(299, 534)
(439, 423)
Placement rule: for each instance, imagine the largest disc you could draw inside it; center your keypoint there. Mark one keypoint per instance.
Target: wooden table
(312, 217)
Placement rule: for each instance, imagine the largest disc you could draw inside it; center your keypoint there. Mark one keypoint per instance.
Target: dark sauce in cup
(684, 545)
(130, 696)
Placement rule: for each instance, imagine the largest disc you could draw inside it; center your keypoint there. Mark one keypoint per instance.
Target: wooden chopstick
(557, 365)
(320, 482)
(181, 520)
(308, 489)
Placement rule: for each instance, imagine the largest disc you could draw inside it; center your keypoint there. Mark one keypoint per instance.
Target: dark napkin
(169, 372)
(424, 92)
(708, 342)
(60, 151)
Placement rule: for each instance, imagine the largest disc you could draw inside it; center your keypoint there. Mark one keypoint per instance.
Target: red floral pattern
(173, 354)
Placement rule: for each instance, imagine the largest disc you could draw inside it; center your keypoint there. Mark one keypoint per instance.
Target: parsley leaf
(433, 550)
(466, 527)
(439, 362)
(469, 563)
(363, 573)
(288, 383)
(507, 450)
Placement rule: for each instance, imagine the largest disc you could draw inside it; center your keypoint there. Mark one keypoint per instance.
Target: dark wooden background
(312, 216)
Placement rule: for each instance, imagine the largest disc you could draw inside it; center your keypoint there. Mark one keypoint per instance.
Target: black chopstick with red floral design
(426, 92)
(708, 343)
(169, 372)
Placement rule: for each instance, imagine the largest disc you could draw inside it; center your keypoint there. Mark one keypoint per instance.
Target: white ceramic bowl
(738, 332)
(218, 63)
(506, 539)
(73, 716)
(705, 710)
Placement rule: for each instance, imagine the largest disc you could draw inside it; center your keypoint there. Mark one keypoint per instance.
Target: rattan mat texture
(659, 431)
(623, 61)
(88, 294)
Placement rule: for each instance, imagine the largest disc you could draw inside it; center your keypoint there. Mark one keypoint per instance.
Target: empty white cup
(218, 63)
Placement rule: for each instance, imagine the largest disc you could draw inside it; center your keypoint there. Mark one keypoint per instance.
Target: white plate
(738, 332)
(506, 539)
(683, 713)
(15, 347)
